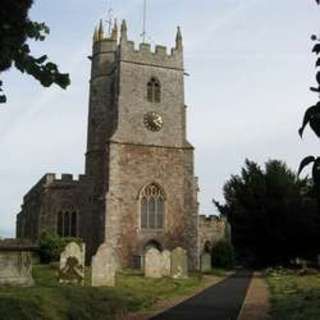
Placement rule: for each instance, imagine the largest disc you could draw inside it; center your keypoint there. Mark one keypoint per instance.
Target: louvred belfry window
(154, 90)
(152, 207)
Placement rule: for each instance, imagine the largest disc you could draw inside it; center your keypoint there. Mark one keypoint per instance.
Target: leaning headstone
(179, 264)
(15, 263)
(72, 264)
(153, 263)
(104, 267)
(205, 261)
(166, 263)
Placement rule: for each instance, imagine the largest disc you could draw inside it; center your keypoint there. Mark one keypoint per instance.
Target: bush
(51, 246)
(222, 255)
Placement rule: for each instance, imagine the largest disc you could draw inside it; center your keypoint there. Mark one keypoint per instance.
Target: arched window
(152, 207)
(67, 224)
(154, 90)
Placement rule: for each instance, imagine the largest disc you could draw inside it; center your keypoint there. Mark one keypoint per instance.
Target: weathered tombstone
(15, 263)
(205, 261)
(166, 263)
(153, 264)
(104, 267)
(179, 264)
(72, 264)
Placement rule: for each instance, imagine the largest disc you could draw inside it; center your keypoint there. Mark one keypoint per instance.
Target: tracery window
(154, 90)
(67, 223)
(152, 206)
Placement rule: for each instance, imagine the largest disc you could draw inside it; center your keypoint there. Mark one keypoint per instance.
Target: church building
(139, 188)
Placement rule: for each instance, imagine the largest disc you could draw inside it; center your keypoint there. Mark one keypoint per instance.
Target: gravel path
(256, 305)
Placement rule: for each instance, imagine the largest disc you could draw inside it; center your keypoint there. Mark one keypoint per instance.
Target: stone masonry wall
(133, 105)
(50, 196)
(134, 167)
(211, 230)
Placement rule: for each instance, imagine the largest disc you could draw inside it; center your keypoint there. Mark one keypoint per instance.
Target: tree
(15, 30)
(273, 219)
(312, 117)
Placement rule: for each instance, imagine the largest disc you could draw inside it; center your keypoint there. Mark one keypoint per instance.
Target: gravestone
(166, 263)
(179, 264)
(153, 264)
(205, 261)
(104, 267)
(72, 264)
(15, 264)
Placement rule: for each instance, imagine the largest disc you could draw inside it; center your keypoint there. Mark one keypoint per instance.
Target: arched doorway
(207, 248)
(152, 244)
(148, 245)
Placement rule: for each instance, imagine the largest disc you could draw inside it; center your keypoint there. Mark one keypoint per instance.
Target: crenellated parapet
(64, 177)
(145, 55)
(211, 219)
(128, 51)
(52, 180)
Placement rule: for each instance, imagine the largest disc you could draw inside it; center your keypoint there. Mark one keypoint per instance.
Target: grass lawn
(293, 296)
(48, 300)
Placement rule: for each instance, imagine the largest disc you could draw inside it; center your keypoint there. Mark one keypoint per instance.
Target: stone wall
(211, 230)
(50, 196)
(133, 168)
(133, 104)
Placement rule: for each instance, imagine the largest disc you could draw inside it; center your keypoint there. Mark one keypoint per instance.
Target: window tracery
(152, 206)
(67, 224)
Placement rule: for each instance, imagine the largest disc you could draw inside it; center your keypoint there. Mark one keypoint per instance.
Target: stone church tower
(139, 188)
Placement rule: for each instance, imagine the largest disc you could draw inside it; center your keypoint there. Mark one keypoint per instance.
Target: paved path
(257, 305)
(219, 302)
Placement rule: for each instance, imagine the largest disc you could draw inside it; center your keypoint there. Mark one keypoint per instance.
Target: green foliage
(312, 117)
(15, 30)
(51, 246)
(315, 171)
(222, 255)
(294, 296)
(272, 214)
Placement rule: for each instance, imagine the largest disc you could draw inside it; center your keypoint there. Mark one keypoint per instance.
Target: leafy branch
(15, 30)
(312, 117)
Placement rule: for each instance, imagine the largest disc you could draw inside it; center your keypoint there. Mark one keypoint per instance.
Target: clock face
(153, 121)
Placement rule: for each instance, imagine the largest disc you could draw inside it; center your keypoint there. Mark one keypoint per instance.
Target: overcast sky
(250, 68)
